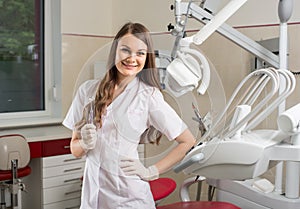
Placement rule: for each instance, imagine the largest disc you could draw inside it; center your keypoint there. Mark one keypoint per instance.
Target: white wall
(87, 17)
(104, 17)
(155, 14)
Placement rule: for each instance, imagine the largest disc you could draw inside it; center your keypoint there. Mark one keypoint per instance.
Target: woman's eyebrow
(142, 49)
(124, 45)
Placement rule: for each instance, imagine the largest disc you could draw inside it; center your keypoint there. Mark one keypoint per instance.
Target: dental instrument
(202, 125)
(90, 116)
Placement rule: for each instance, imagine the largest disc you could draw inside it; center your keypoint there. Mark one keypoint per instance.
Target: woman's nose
(131, 57)
(132, 54)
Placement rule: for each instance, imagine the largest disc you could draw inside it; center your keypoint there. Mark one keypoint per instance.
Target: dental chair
(14, 160)
(238, 146)
(161, 188)
(188, 204)
(240, 152)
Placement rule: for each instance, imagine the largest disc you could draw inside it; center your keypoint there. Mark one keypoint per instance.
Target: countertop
(41, 133)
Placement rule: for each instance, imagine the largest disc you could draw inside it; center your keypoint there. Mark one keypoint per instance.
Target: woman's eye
(124, 50)
(141, 53)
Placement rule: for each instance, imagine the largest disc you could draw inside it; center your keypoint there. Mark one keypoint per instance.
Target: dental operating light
(185, 71)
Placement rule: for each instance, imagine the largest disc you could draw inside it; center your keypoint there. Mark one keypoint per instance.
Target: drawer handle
(73, 169)
(73, 192)
(75, 207)
(70, 180)
(67, 147)
(71, 159)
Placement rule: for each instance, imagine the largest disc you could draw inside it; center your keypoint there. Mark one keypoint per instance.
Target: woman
(128, 108)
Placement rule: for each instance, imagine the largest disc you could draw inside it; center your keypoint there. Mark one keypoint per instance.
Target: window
(30, 62)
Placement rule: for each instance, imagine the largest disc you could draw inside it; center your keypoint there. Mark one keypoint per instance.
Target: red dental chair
(162, 187)
(14, 160)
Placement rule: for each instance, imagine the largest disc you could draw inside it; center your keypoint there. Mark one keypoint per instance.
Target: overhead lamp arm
(195, 11)
(222, 16)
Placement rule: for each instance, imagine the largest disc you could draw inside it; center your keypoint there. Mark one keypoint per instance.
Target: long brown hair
(148, 75)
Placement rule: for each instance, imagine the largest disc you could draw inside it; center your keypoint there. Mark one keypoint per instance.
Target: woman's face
(131, 56)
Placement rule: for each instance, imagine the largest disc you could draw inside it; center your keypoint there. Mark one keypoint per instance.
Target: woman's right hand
(88, 137)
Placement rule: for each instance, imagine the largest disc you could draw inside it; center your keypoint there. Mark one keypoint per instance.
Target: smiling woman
(29, 62)
(130, 58)
(127, 108)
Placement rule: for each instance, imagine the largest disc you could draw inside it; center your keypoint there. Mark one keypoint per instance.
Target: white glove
(88, 137)
(132, 167)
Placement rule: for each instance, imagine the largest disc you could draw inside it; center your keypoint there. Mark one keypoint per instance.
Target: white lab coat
(104, 184)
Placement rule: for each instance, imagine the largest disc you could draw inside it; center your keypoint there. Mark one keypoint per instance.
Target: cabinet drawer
(63, 170)
(68, 204)
(62, 193)
(61, 160)
(62, 180)
(56, 147)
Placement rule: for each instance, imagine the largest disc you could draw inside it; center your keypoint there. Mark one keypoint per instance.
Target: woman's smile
(129, 66)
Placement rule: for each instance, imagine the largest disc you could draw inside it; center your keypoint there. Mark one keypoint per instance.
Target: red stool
(14, 160)
(161, 188)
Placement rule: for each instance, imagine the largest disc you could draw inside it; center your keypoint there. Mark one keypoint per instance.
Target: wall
(85, 29)
(89, 17)
(88, 28)
(155, 14)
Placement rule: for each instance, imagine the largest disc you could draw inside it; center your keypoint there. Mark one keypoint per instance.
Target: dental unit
(233, 154)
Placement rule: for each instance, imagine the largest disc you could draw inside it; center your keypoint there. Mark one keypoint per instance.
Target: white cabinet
(55, 183)
(67, 204)
(62, 180)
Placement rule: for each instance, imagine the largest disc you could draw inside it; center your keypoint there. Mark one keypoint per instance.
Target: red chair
(160, 188)
(14, 160)
(199, 205)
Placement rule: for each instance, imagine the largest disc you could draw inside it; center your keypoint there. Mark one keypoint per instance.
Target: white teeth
(129, 65)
